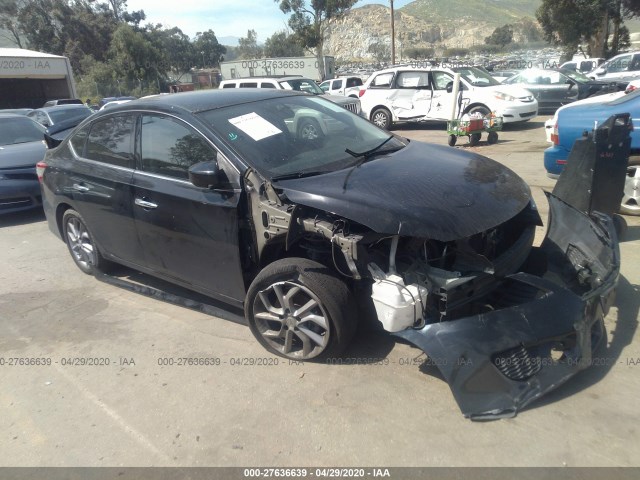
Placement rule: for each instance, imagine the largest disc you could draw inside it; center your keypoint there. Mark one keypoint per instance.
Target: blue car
(573, 120)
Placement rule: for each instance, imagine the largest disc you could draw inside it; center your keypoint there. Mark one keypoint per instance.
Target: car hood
(513, 90)
(422, 190)
(21, 154)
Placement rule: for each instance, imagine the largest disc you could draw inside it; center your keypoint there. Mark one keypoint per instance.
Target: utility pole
(393, 36)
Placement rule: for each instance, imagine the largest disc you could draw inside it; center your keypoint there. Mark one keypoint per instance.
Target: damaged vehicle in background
(221, 192)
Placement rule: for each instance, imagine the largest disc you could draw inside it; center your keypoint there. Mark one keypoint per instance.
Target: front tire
(382, 118)
(479, 109)
(298, 309)
(630, 204)
(81, 245)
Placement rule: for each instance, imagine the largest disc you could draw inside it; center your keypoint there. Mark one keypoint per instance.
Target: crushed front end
(535, 328)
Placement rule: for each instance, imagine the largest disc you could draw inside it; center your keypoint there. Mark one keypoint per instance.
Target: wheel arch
(60, 209)
(476, 104)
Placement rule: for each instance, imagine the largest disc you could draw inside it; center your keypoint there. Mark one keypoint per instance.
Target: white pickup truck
(347, 86)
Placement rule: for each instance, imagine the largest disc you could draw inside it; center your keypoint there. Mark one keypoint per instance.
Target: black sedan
(224, 193)
(21, 147)
(554, 88)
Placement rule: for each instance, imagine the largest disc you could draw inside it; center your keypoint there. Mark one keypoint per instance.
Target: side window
(412, 79)
(110, 141)
(382, 81)
(441, 80)
(229, 85)
(354, 82)
(335, 85)
(619, 65)
(249, 85)
(635, 63)
(78, 140)
(169, 147)
(267, 85)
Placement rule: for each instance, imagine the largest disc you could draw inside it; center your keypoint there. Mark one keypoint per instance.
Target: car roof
(204, 100)
(13, 115)
(60, 107)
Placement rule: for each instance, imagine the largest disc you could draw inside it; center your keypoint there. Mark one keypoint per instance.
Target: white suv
(404, 94)
(298, 83)
(621, 68)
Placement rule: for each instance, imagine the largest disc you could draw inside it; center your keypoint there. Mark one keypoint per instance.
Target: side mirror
(204, 174)
(449, 87)
(45, 124)
(600, 71)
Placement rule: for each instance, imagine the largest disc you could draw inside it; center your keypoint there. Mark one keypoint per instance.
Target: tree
(419, 52)
(248, 46)
(501, 36)
(9, 20)
(207, 44)
(133, 57)
(381, 51)
(569, 23)
(310, 19)
(178, 53)
(282, 44)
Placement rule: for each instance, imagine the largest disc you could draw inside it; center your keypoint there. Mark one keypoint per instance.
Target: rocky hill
(425, 23)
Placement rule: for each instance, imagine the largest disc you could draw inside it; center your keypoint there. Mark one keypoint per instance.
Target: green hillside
(494, 12)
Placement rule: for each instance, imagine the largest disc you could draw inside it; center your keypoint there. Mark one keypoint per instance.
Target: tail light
(555, 138)
(361, 92)
(40, 167)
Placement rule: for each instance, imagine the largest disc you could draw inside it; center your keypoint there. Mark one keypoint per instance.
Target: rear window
(110, 141)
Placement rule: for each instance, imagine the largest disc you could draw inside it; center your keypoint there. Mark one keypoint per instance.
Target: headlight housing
(505, 97)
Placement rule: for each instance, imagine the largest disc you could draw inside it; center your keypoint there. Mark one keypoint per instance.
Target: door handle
(141, 202)
(80, 188)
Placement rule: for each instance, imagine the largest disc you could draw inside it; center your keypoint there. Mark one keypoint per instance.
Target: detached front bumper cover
(498, 362)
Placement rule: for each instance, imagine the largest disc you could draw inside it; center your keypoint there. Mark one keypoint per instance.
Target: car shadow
(522, 126)
(369, 345)
(22, 218)
(610, 351)
(631, 234)
(149, 286)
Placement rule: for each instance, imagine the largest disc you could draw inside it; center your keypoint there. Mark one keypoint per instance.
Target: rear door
(411, 95)
(189, 234)
(101, 184)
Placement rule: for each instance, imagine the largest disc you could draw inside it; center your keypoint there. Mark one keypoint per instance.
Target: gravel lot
(135, 409)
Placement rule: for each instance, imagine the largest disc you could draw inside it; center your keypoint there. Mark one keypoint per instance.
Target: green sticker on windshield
(233, 136)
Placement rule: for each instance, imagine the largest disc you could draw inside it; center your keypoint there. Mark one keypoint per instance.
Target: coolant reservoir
(398, 306)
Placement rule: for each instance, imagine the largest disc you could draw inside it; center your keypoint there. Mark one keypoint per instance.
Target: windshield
(580, 77)
(78, 114)
(476, 77)
(302, 85)
(20, 130)
(297, 135)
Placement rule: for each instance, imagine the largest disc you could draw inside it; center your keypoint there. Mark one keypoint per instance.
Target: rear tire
(81, 245)
(382, 118)
(298, 309)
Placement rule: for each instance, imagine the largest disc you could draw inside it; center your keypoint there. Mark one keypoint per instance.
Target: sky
(227, 19)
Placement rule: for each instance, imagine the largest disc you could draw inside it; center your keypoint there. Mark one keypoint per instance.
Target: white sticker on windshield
(255, 126)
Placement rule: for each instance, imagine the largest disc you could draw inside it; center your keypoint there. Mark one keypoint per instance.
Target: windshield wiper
(368, 153)
(363, 157)
(289, 176)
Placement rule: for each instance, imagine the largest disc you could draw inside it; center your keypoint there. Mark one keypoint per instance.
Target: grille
(517, 363)
(528, 114)
(352, 107)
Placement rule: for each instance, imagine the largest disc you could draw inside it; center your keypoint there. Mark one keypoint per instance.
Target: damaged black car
(311, 218)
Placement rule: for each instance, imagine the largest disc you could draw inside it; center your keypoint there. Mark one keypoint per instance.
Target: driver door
(189, 234)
